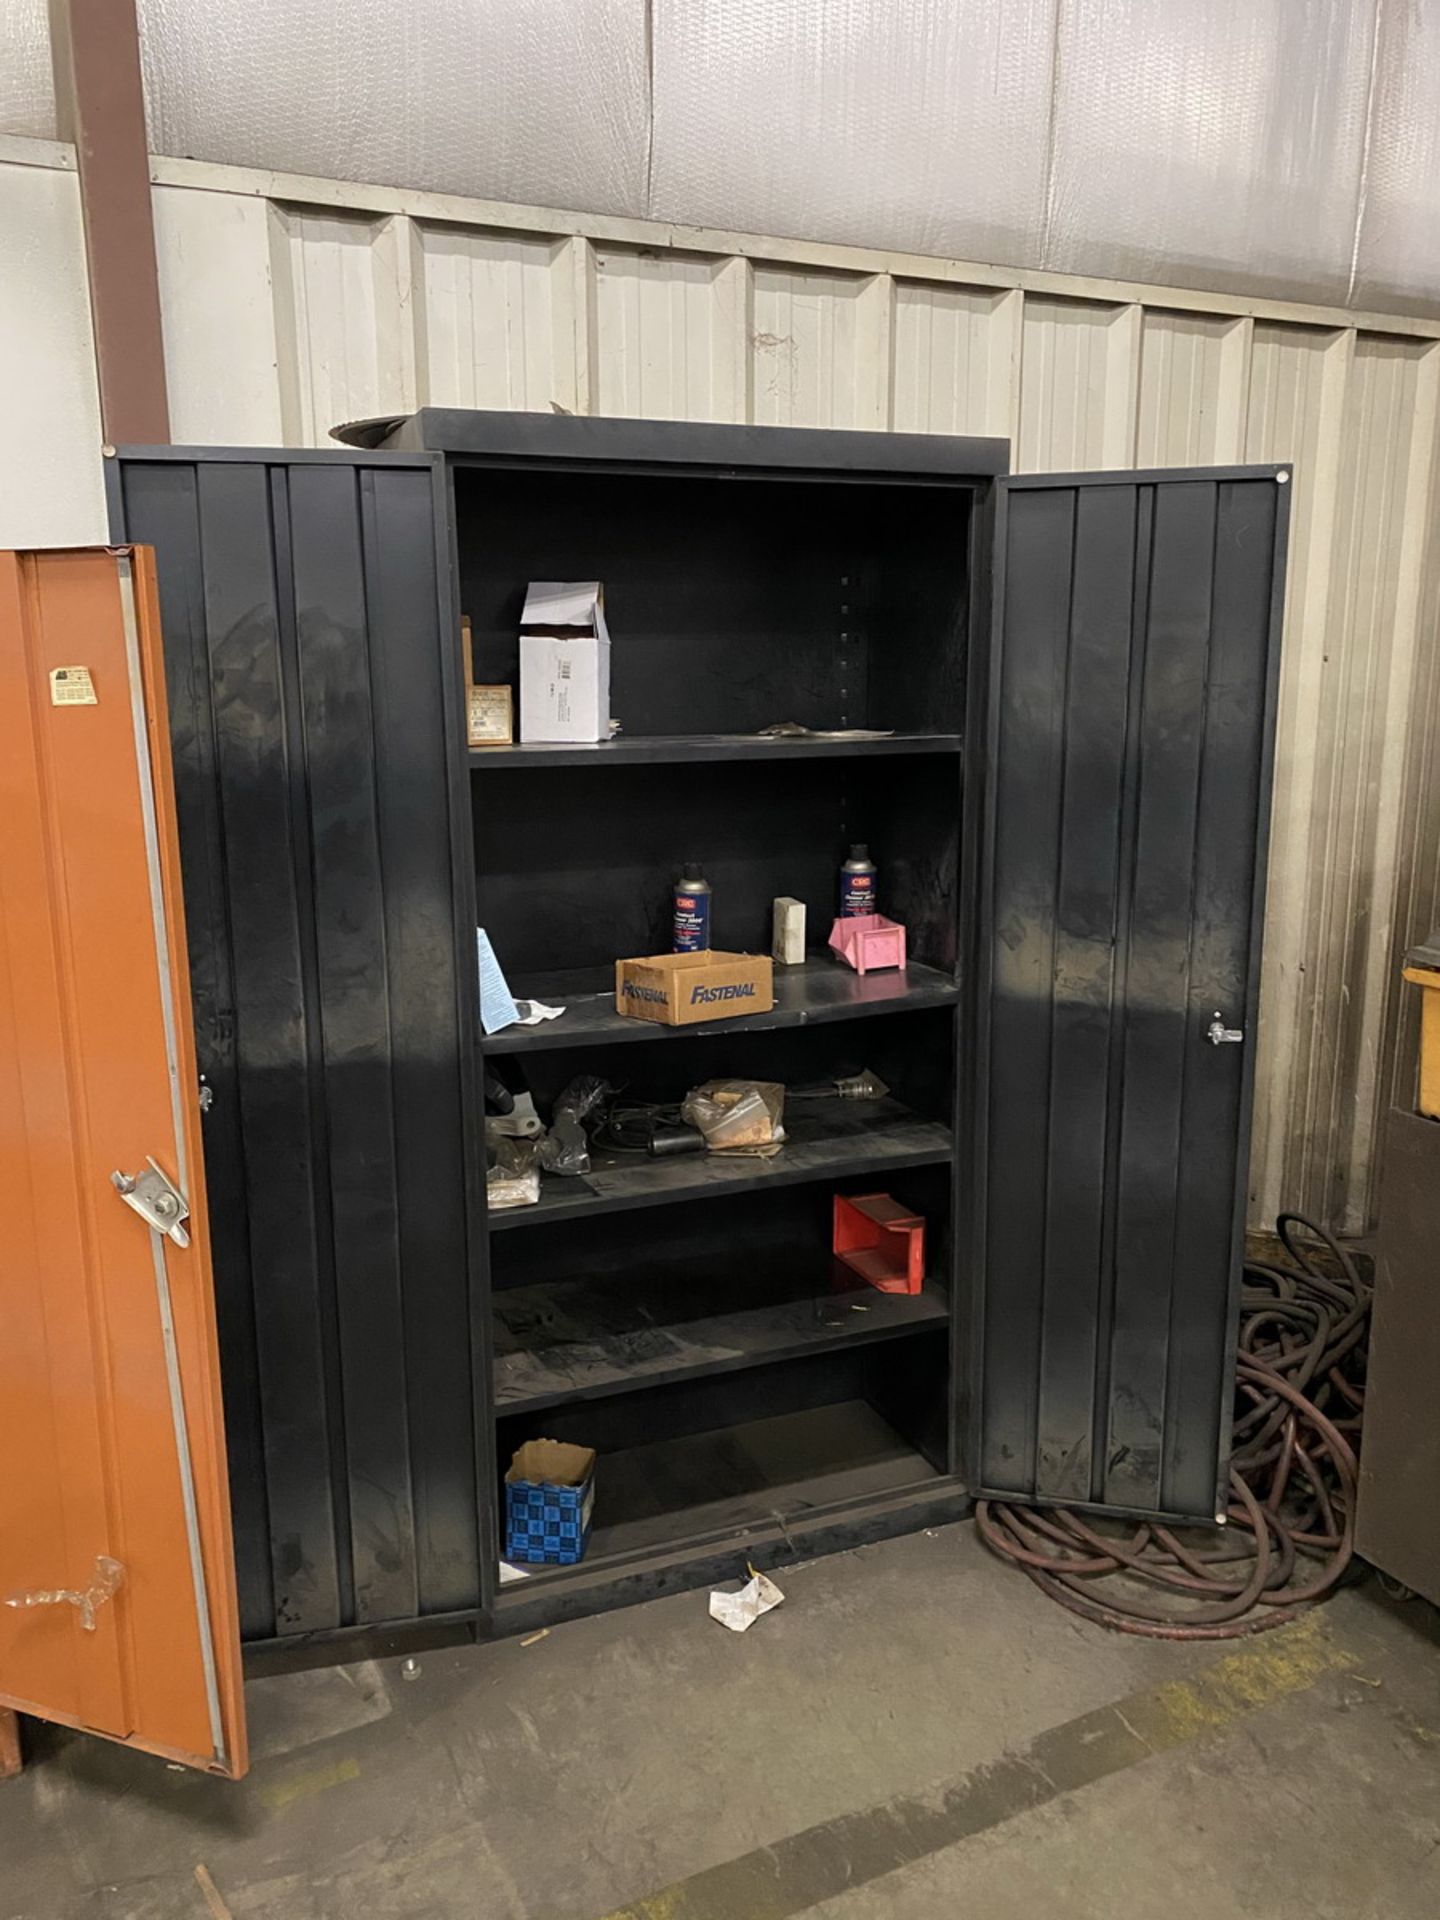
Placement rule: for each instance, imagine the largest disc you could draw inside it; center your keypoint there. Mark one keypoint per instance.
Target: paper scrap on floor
(741, 1610)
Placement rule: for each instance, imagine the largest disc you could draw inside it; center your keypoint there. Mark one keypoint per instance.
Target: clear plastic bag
(109, 1577)
(566, 1148)
(737, 1115)
(514, 1180)
(582, 1096)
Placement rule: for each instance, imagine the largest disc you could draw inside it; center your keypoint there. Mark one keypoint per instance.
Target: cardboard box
(489, 710)
(679, 989)
(789, 932)
(564, 662)
(549, 1503)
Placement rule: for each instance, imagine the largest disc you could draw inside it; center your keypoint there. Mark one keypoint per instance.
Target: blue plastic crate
(548, 1523)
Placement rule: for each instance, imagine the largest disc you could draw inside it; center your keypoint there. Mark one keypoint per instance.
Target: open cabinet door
(117, 1585)
(1123, 778)
(323, 789)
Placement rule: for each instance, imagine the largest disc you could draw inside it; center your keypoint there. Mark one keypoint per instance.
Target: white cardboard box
(564, 662)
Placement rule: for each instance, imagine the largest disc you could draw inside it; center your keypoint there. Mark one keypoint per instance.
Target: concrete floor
(917, 1731)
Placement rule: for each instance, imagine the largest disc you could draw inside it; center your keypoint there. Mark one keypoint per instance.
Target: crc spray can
(858, 878)
(692, 910)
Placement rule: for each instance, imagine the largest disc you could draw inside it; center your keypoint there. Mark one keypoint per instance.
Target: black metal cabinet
(1080, 673)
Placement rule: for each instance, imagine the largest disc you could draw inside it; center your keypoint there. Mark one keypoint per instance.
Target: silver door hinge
(158, 1202)
(1219, 1035)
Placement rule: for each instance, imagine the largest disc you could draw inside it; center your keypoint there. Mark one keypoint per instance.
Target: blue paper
(497, 1005)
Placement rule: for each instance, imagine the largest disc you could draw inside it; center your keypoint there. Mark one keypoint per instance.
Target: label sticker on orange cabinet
(72, 687)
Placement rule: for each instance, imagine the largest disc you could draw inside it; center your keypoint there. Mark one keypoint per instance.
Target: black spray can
(858, 877)
(692, 911)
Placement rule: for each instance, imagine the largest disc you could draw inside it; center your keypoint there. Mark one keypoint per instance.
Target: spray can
(858, 883)
(692, 910)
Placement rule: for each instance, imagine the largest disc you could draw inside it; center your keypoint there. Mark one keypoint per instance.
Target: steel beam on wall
(100, 105)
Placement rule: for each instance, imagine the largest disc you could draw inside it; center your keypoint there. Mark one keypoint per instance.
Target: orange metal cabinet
(117, 1586)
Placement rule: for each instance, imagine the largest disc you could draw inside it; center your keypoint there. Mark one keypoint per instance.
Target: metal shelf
(652, 750)
(587, 1339)
(818, 991)
(828, 1140)
(790, 1468)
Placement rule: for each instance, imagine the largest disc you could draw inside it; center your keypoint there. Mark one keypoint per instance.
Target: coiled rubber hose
(1290, 1532)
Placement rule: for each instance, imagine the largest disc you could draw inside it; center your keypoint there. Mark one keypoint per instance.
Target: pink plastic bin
(868, 941)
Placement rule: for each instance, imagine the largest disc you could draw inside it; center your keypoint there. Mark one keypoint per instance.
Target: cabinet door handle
(1219, 1035)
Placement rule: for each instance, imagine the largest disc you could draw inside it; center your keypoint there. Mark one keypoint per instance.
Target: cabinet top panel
(475, 433)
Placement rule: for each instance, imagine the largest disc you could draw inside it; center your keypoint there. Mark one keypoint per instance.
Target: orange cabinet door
(117, 1583)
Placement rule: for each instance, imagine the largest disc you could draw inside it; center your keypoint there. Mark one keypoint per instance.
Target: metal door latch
(159, 1204)
(1219, 1035)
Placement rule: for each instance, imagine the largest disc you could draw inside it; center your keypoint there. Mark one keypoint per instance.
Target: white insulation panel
(290, 306)
(1286, 147)
(27, 87)
(1210, 142)
(542, 100)
(892, 123)
(1397, 242)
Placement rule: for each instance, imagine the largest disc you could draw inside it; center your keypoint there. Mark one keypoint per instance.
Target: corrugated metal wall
(293, 304)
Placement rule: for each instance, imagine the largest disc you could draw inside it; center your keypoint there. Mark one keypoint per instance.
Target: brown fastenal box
(678, 989)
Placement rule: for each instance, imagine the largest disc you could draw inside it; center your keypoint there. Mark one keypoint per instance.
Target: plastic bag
(109, 1577)
(566, 1149)
(582, 1096)
(743, 1115)
(514, 1180)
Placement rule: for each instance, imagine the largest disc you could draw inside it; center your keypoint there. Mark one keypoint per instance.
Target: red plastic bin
(878, 1239)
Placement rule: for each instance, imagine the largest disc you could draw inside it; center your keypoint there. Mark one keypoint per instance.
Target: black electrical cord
(1290, 1532)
